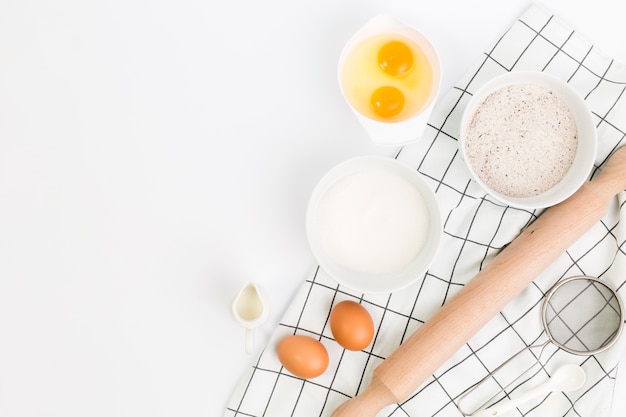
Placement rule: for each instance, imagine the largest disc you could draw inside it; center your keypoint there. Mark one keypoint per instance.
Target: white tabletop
(155, 156)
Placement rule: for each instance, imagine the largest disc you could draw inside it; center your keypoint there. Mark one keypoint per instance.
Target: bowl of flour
(528, 139)
(373, 224)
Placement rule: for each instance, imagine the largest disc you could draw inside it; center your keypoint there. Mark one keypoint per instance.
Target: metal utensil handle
(510, 404)
(491, 374)
(569, 377)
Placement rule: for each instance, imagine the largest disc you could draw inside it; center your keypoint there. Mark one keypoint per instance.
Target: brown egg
(351, 325)
(303, 356)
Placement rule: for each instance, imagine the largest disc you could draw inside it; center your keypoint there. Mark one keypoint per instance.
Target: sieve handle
(568, 377)
(495, 372)
(509, 404)
(512, 270)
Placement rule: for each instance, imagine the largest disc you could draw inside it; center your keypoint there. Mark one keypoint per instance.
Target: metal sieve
(581, 315)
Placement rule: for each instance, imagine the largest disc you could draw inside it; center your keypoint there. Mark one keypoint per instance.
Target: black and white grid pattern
(476, 228)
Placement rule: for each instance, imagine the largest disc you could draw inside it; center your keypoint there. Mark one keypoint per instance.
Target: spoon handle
(508, 274)
(569, 377)
(506, 405)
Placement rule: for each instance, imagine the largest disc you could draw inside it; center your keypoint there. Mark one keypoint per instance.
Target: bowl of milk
(373, 224)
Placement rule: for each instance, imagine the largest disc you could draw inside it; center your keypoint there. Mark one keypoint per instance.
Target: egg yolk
(395, 58)
(387, 101)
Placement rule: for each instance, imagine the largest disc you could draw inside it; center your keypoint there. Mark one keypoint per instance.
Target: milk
(373, 221)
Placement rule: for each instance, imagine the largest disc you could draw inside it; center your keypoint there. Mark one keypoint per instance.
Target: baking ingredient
(395, 63)
(521, 140)
(387, 101)
(373, 221)
(395, 58)
(351, 325)
(303, 356)
(248, 304)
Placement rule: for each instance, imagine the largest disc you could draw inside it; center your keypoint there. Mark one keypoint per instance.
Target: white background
(154, 156)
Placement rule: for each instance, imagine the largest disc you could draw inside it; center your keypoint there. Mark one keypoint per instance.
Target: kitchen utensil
(581, 315)
(569, 377)
(250, 310)
(488, 292)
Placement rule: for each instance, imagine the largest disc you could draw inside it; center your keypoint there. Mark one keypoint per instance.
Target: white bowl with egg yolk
(373, 224)
(359, 74)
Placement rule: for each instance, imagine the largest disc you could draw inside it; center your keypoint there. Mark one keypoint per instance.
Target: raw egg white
(351, 325)
(303, 356)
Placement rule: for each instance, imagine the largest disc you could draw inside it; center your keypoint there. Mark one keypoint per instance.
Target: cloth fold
(476, 228)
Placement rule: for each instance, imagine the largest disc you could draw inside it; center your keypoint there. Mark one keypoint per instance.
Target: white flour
(521, 140)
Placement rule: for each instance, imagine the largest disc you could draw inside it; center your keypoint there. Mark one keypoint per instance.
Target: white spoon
(567, 378)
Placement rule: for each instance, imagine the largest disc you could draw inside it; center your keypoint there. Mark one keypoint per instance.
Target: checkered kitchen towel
(476, 229)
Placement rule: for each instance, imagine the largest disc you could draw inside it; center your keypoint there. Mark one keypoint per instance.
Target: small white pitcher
(250, 310)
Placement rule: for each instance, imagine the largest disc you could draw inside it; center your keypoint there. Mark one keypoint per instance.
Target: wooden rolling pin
(488, 292)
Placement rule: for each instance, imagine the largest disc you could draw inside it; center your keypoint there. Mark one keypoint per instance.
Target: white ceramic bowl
(373, 224)
(586, 149)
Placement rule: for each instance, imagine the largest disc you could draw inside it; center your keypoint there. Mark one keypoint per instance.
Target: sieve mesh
(582, 315)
